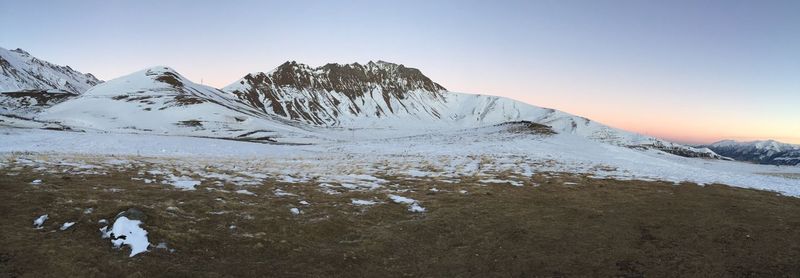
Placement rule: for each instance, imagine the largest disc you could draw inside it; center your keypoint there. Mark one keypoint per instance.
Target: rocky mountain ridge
(762, 152)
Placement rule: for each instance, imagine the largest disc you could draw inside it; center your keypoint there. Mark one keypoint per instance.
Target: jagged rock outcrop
(330, 94)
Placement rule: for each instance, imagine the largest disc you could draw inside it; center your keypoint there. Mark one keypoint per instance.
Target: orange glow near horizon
(689, 125)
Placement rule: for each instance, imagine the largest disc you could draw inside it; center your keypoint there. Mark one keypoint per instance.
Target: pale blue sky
(695, 71)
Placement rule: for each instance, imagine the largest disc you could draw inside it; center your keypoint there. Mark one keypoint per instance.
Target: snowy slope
(20, 71)
(762, 152)
(452, 156)
(385, 96)
(29, 103)
(158, 100)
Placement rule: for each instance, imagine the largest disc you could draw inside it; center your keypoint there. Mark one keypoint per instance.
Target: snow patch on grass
(512, 182)
(413, 205)
(66, 226)
(127, 232)
(39, 221)
(182, 182)
(358, 202)
(245, 192)
(401, 199)
(280, 193)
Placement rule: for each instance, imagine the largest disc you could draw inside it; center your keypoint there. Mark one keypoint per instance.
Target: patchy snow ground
(182, 182)
(360, 165)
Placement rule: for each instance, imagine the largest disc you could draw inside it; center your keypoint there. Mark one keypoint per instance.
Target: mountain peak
(369, 66)
(166, 75)
(293, 65)
(20, 51)
(160, 70)
(300, 75)
(333, 90)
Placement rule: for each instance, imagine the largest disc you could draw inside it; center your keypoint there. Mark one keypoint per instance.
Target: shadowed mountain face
(321, 95)
(761, 152)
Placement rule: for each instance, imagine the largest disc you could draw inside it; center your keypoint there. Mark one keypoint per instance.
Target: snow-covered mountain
(342, 95)
(294, 103)
(28, 84)
(762, 152)
(20, 71)
(387, 95)
(158, 100)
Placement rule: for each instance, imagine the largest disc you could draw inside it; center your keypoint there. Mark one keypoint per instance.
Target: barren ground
(589, 228)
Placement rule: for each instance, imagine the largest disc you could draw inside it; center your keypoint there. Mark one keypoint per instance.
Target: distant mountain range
(762, 152)
(294, 103)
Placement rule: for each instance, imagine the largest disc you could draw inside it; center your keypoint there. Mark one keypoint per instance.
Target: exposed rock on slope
(333, 93)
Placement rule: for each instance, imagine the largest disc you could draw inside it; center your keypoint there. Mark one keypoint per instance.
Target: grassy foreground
(590, 228)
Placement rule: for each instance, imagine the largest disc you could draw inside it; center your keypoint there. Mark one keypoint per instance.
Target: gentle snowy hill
(158, 100)
(28, 85)
(762, 152)
(384, 95)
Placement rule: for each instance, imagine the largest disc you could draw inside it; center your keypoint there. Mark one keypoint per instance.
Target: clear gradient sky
(690, 71)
